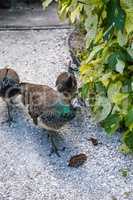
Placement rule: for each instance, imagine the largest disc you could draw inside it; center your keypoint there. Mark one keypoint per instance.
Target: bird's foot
(9, 122)
(55, 146)
(55, 150)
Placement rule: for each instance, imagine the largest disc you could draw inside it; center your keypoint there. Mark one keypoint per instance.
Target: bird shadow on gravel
(24, 131)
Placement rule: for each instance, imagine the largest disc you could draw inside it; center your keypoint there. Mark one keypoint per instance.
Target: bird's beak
(78, 103)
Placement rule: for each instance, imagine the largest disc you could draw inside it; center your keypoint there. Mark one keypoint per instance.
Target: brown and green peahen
(48, 108)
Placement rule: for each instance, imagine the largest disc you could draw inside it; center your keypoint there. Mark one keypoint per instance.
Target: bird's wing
(57, 115)
(50, 120)
(38, 98)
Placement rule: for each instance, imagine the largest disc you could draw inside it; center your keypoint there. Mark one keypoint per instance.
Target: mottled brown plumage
(47, 107)
(66, 84)
(9, 86)
(38, 98)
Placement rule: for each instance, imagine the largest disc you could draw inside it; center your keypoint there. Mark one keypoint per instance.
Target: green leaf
(124, 149)
(115, 14)
(122, 38)
(94, 52)
(95, 2)
(114, 89)
(75, 14)
(85, 68)
(122, 55)
(130, 67)
(63, 9)
(129, 20)
(128, 139)
(91, 22)
(112, 61)
(127, 88)
(126, 4)
(112, 123)
(91, 28)
(100, 89)
(108, 32)
(46, 3)
(130, 52)
(105, 78)
(102, 108)
(129, 118)
(84, 90)
(120, 65)
(124, 172)
(118, 98)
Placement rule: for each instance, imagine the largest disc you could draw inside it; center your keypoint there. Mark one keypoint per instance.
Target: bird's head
(66, 84)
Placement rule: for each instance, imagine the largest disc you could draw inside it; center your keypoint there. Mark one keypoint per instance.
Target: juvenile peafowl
(48, 108)
(66, 85)
(9, 88)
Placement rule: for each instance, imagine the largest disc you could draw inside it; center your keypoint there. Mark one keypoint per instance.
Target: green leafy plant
(46, 3)
(107, 70)
(124, 172)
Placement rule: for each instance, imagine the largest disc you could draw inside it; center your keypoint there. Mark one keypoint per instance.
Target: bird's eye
(60, 88)
(66, 94)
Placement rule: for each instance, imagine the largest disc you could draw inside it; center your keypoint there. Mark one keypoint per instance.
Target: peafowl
(9, 88)
(48, 108)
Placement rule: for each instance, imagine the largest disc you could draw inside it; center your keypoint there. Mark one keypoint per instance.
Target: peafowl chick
(66, 84)
(9, 88)
(47, 108)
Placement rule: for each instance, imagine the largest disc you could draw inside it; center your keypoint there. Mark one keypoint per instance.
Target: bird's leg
(35, 120)
(54, 146)
(53, 137)
(10, 118)
(12, 102)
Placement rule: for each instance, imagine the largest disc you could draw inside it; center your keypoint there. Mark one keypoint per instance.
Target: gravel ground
(27, 172)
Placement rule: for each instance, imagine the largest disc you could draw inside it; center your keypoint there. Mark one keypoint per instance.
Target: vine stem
(83, 3)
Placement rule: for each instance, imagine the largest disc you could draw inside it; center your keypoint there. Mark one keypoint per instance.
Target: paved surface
(27, 172)
(32, 16)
